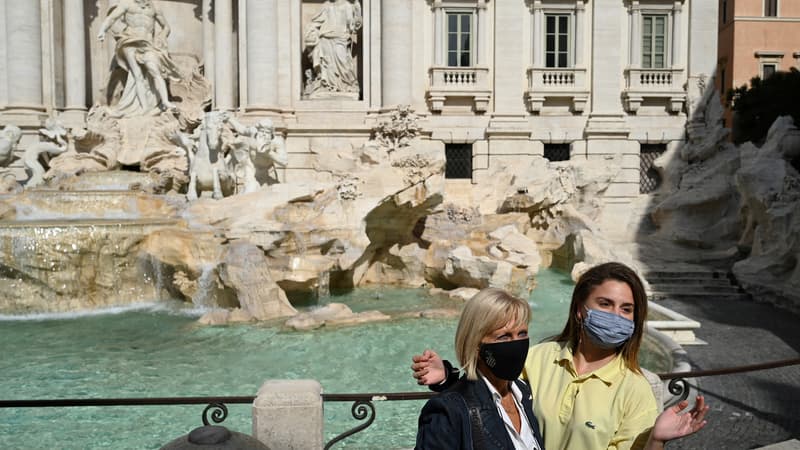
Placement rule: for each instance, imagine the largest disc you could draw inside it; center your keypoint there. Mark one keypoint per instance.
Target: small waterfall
(324, 287)
(206, 286)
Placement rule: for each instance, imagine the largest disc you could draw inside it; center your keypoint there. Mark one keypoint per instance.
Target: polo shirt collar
(608, 374)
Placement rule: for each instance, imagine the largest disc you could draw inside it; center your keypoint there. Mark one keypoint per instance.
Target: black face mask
(505, 359)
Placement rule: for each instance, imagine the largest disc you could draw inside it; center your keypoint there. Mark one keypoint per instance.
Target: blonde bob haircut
(485, 312)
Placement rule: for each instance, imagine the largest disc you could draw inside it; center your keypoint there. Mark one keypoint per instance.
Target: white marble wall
(252, 51)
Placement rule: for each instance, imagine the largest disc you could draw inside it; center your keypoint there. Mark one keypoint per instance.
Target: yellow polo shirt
(610, 408)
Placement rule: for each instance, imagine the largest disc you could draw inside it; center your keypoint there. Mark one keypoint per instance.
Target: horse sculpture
(208, 168)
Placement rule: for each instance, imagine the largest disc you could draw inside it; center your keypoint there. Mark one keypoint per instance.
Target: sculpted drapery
(330, 40)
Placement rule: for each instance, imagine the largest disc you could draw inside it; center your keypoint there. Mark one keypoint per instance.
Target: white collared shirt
(524, 440)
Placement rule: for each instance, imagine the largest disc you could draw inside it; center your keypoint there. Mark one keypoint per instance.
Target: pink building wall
(748, 39)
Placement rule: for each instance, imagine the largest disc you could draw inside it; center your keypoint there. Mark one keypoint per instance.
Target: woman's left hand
(671, 424)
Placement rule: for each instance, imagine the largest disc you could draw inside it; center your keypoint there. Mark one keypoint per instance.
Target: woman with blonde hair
(588, 389)
(488, 407)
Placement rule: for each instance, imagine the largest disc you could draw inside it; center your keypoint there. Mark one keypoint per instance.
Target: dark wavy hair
(594, 277)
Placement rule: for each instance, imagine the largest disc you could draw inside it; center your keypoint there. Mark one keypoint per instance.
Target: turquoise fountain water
(159, 351)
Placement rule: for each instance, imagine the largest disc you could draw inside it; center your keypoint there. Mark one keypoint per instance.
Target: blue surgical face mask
(606, 329)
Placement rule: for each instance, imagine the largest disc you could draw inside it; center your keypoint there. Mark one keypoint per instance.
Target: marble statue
(256, 151)
(9, 138)
(208, 167)
(56, 144)
(142, 53)
(330, 40)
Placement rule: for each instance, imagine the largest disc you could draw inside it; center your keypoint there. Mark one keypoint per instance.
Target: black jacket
(444, 422)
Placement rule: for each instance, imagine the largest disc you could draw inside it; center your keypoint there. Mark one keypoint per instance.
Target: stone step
(792, 444)
(698, 295)
(690, 281)
(720, 288)
(683, 275)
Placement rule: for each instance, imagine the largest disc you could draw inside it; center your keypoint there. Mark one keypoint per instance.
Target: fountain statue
(330, 40)
(142, 54)
(9, 138)
(257, 151)
(208, 169)
(56, 144)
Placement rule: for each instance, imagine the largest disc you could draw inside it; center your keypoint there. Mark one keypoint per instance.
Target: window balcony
(546, 83)
(449, 83)
(665, 84)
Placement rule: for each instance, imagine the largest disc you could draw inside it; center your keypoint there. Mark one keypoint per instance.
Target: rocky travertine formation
(740, 202)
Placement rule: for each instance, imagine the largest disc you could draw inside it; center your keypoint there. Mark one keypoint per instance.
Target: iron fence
(363, 408)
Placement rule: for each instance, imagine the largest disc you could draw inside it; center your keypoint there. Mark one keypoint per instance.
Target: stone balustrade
(565, 82)
(665, 84)
(449, 83)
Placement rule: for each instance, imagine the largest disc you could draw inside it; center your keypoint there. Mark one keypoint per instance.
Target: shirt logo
(590, 424)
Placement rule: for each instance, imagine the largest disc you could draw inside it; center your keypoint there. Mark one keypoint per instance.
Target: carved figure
(330, 40)
(142, 53)
(208, 168)
(399, 130)
(9, 138)
(256, 151)
(9, 184)
(56, 144)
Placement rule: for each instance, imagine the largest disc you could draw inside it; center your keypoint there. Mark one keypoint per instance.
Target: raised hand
(674, 423)
(428, 368)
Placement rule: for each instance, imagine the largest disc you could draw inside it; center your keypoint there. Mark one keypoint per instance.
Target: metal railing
(363, 408)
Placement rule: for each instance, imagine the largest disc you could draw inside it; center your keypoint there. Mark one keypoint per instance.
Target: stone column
(677, 50)
(223, 51)
(288, 414)
(74, 56)
(396, 52)
(538, 35)
(438, 36)
(509, 67)
(24, 55)
(606, 117)
(262, 54)
(636, 35)
(208, 42)
(580, 12)
(702, 57)
(482, 40)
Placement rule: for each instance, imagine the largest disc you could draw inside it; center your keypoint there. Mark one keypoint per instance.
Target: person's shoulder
(546, 348)
(635, 382)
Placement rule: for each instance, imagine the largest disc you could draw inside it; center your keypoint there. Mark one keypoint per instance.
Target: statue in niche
(142, 53)
(330, 42)
(256, 151)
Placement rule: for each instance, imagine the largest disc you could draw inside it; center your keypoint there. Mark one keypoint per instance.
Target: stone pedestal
(287, 414)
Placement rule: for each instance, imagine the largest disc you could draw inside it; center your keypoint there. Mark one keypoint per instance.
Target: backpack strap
(475, 421)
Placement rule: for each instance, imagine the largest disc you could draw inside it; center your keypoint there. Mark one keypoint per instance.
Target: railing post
(287, 414)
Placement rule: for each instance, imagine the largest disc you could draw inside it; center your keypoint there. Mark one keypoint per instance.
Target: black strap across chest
(475, 421)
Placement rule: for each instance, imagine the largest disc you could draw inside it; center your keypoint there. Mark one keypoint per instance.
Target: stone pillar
(606, 57)
(538, 35)
(580, 12)
(482, 40)
(24, 55)
(74, 56)
(702, 58)
(262, 54)
(636, 35)
(396, 52)
(208, 42)
(288, 414)
(677, 49)
(438, 36)
(223, 51)
(510, 77)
